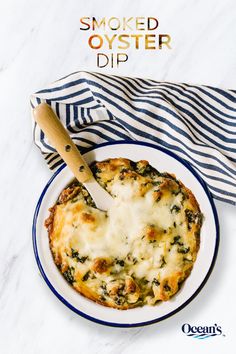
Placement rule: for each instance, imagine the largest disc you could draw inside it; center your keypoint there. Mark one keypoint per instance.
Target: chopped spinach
(145, 170)
(190, 216)
(120, 262)
(184, 197)
(104, 289)
(75, 254)
(175, 192)
(89, 201)
(69, 275)
(119, 300)
(163, 261)
(155, 281)
(158, 194)
(143, 281)
(74, 200)
(175, 208)
(183, 250)
(132, 259)
(193, 217)
(86, 276)
(167, 287)
(133, 165)
(156, 183)
(176, 241)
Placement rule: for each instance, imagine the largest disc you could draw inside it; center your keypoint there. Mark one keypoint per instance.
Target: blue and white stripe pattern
(198, 123)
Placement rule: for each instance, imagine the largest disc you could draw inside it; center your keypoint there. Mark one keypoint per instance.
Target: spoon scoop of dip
(60, 139)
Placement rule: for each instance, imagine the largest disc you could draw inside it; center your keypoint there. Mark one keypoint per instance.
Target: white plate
(162, 160)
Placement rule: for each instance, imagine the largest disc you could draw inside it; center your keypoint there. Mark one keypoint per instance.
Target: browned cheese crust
(139, 252)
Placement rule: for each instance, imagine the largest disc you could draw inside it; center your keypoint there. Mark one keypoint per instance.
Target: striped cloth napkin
(198, 123)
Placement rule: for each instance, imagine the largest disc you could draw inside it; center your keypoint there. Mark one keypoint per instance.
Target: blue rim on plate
(139, 324)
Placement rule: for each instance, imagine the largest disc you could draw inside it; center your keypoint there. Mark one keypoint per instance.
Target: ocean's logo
(202, 332)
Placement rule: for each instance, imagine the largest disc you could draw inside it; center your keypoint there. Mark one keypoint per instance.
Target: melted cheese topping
(136, 253)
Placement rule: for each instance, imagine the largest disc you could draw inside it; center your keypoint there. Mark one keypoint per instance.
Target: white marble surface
(40, 42)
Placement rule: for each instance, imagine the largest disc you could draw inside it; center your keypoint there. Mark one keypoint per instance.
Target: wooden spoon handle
(60, 139)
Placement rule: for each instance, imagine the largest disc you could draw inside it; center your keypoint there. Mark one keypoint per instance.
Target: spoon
(60, 139)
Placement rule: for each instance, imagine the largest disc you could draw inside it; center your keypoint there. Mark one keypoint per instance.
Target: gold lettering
(136, 36)
(90, 41)
(149, 23)
(149, 41)
(139, 22)
(84, 23)
(110, 40)
(164, 39)
(121, 39)
(125, 23)
(118, 23)
(96, 24)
